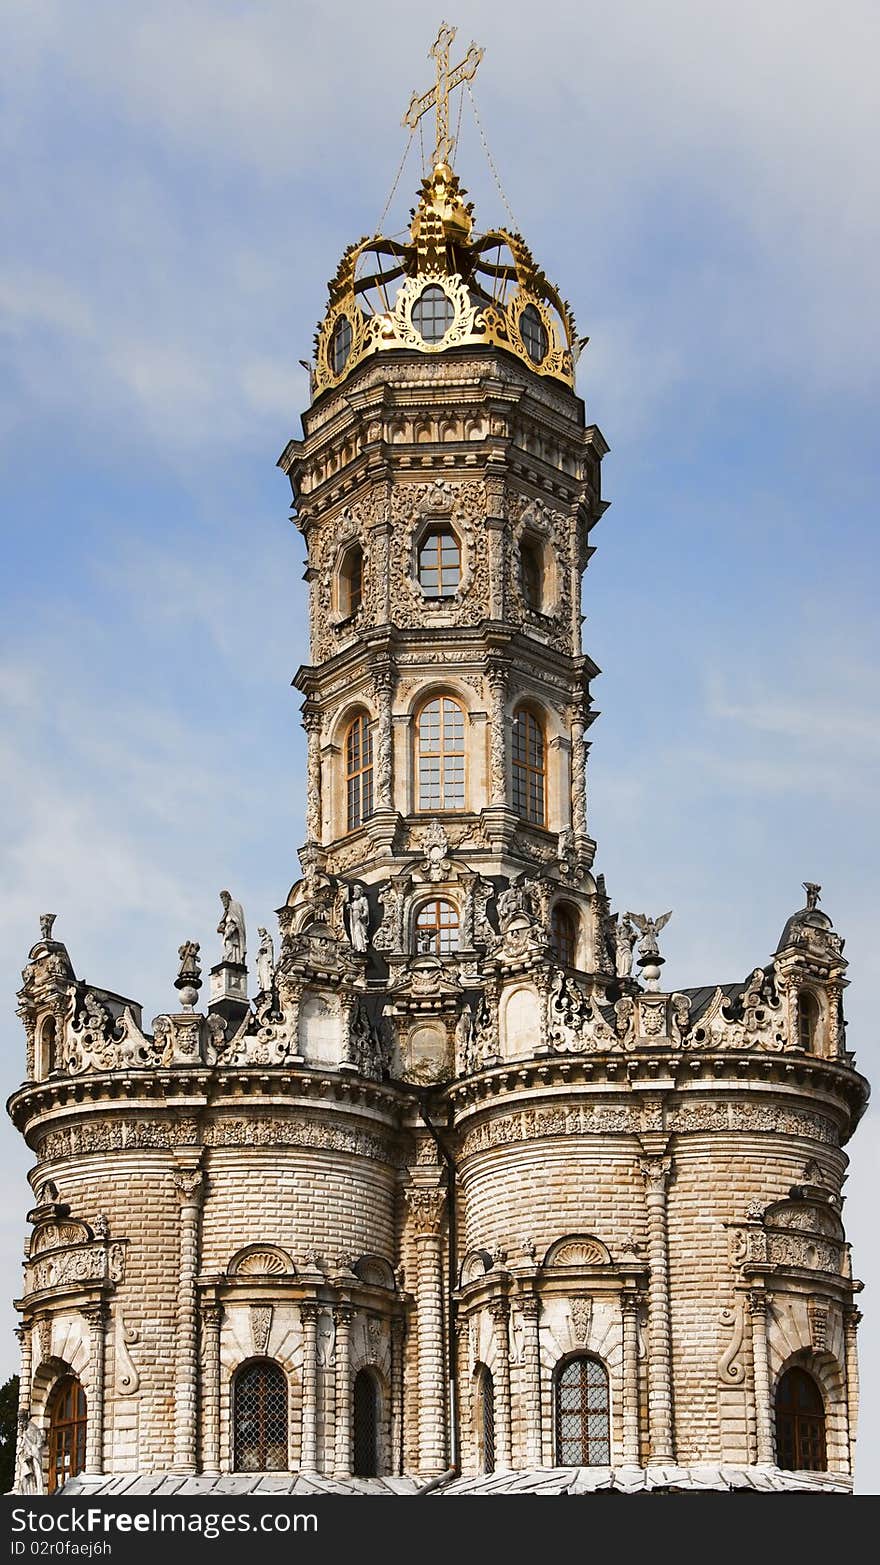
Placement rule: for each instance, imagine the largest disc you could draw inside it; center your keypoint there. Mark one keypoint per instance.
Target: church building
(440, 1186)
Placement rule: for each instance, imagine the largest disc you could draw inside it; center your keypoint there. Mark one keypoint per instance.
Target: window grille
(67, 1432)
(583, 1437)
(366, 1425)
(487, 1422)
(260, 1418)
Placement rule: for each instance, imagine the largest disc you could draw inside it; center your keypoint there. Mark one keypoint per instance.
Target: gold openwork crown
(443, 289)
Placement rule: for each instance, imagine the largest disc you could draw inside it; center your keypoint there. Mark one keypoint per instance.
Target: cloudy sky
(180, 178)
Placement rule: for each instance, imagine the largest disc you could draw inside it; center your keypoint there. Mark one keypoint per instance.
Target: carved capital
(343, 1314)
(530, 1306)
(309, 1310)
(758, 1302)
(426, 1207)
(96, 1316)
(189, 1185)
(656, 1172)
(212, 1316)
(499, 1309)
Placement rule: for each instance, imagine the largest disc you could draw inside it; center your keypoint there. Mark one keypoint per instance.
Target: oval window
(534, 334)
(432, 313)
(340, 345)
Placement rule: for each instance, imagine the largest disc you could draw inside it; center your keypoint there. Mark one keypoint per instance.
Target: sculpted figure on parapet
(232, 928)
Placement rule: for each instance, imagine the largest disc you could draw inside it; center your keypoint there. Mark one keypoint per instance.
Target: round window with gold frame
(535, 338)
(339, 346)
(432, 314)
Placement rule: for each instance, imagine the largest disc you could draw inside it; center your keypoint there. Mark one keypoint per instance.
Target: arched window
(440, 755)
(340, 344)
(437, 927)
(800, 1424)
(531, 575)
(365, 1410)
(260, 1418)
(351, 581)
(48, 1060)
(359, 771)
(583, 1435)
(808, 1021)
(486, 1421)
(67, 1431)
(564, 934)
(439, 563)
(529, 767)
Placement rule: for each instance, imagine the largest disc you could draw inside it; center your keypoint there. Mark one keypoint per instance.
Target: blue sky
(180, 180)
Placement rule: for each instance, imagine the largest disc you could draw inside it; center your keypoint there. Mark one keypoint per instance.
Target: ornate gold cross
(438, 97)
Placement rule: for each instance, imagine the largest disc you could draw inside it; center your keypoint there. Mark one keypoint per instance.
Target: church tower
(452, 1191)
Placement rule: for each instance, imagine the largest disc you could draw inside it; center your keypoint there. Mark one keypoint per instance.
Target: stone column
(851, 1318)
(397, 1336)
(497, 673)
(382, 685)
(578, 773)
(500, 1316)
(309, 1311)
(466, 1453)
(630, 1304)
(212, 1316)
(656, 1171)
(343, 1315)
(426, 1209)
(23, 1333)
(758, 1302)
(96, 1316)
(311, 722)
(189, 1185)
(495, 526)
(530, 1309)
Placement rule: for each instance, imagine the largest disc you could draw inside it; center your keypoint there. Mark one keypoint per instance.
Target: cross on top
(438, 96)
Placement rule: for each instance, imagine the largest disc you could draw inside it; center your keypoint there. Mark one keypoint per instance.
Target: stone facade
(452, 1142)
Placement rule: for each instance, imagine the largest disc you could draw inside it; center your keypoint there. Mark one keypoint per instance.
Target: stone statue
(812, 891)
(190, 968)
(46, 922)
(29, 1477)
(231, 927)
(624, 940)
(358, 918)
(650, 929)
(265, 961)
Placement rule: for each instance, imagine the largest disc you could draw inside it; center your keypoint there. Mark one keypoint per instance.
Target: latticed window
(440, 746)
(351, 580)
(530, 575)
(800, 1424)
(486, 1421)
(340, 345)
(439, 563)
(365, 1409)
(432, 313)
(437, 927)
(260, 1418)
(529, 775)
(359, 771)
(563, 934)
(583, 1437)
(808, 1021)
(67, 1431)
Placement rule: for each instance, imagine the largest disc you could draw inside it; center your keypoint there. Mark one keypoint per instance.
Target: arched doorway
(260, 1418)
(800, 1424)
(583, 1433)
(67, 1431)
(365, 1413)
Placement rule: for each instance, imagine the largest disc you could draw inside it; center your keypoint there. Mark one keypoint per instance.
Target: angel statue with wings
(650, 929)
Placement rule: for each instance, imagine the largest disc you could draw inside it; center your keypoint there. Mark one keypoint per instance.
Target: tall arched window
(531, 575)
(440, 755)
(564, 934)
(48, 1047)
(259, 1414)
(529, 767)
(800, 1424)
(439, 563)
(486, 1421)
(359, 771)
(437, 927)
(583, 1434)
(67, 1431)
(365, 1413)
(351, 580)
(808, 1021)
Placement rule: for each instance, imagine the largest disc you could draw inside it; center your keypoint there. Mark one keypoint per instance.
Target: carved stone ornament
(261, 1326)
(435, 845)
(581, 1310)
(126, 1378)
(426, 1206)
(730, 1370)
